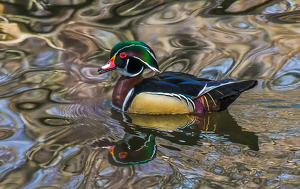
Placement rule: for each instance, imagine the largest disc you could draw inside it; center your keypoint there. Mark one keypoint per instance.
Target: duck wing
(179, 83)
(170, 88)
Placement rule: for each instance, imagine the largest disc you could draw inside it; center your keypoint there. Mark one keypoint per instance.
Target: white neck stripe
(152, 68)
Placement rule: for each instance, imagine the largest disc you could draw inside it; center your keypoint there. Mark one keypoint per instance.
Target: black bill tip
(101, 71)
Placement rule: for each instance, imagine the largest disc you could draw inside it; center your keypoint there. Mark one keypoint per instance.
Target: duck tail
(221, 97)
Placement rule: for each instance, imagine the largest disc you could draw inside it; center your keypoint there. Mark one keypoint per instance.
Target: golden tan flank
(145, 103)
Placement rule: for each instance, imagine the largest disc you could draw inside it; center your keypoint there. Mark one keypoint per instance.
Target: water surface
(56, 117)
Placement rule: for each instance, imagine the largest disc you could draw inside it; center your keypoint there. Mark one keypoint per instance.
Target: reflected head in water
(133, 149)
(168, 92)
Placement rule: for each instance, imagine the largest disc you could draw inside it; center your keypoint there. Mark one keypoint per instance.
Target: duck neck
(122, 87)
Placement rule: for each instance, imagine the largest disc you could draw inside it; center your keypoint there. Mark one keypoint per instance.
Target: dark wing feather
(221, 97)
(175, 83)
(179, 83)
(226, 95)
(180, 75)
(172, 82)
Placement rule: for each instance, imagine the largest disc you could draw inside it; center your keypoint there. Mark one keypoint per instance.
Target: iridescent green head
(132, 57)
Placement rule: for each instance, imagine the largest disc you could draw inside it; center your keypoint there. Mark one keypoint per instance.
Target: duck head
(132, 57)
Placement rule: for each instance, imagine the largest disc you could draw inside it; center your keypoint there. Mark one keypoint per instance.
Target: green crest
(137, 49)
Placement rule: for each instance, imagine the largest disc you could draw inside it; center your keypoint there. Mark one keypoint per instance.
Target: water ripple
(168, 15)
(54, 104)
(285, 18)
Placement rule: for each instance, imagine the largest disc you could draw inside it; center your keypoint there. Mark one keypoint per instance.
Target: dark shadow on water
(138, 145)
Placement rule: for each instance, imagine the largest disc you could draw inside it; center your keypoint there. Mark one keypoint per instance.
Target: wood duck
(167, 92)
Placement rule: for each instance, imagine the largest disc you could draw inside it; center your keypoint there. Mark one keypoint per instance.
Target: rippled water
(56, 117)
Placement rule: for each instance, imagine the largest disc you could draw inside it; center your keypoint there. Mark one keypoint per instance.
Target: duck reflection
(138, 145)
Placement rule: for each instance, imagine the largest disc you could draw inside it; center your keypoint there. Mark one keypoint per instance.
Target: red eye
(122, 155)
(123, 55)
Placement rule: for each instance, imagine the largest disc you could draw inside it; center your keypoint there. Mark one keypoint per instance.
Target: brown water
(56, 117)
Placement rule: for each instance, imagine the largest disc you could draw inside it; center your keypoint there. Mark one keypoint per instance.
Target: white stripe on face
(152, 68)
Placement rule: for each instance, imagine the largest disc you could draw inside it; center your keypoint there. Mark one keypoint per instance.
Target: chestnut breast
(122, 87)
